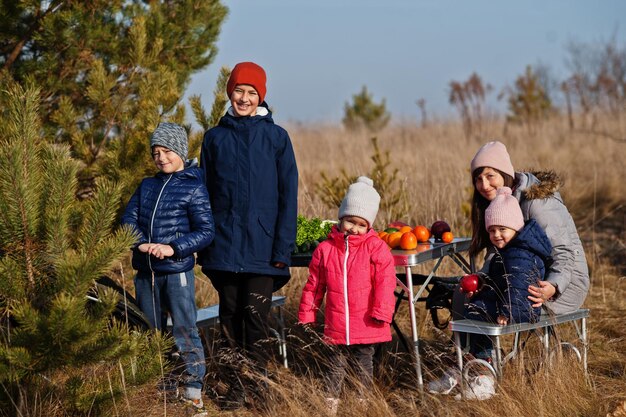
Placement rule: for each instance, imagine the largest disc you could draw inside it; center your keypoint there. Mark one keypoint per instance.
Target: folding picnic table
(427, 252)
(434, 250)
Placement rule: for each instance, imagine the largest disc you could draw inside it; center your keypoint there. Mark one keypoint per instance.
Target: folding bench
(209, 316)
(546, 322)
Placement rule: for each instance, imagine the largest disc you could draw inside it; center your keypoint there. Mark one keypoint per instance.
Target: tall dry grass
(434, 165)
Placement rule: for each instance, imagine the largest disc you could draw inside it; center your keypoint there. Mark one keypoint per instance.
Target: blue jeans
(175, 293)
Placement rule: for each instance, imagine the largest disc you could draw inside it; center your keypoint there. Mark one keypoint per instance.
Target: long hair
(480, 236)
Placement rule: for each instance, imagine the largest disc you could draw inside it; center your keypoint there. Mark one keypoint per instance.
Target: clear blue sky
(317, 54)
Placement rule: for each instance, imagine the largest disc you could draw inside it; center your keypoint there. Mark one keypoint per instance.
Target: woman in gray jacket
(567, 279)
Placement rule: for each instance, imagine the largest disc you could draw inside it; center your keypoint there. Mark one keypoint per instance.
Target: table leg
(498, 365)
(585, 345)
(416, 352)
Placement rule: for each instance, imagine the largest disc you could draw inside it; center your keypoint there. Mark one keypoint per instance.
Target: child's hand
(503, 320)
(144, 247)
(160, 251)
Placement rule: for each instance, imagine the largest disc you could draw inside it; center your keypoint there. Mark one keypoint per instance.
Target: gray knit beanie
(361, 200)
(170, 136)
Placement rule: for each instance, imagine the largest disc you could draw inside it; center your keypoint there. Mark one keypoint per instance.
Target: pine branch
(220, 98)
(19, 184)
(57, 198)
(199, 112)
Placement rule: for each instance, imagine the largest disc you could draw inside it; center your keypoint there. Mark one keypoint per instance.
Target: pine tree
(363, 113)
(53, 343)
(394, 204)
(218, 108)
(108, 71)
(528, 101)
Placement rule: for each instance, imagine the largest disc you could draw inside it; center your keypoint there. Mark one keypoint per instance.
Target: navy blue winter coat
(522, 262)
(252, 179)
(173, 209)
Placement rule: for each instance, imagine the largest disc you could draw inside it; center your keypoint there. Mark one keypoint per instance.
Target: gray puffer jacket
(540, 200)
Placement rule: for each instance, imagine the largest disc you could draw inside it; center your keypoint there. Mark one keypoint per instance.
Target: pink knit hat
(493, 155)
(504, 210)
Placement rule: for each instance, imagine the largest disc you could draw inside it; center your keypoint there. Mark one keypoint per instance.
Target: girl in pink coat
(354, 268)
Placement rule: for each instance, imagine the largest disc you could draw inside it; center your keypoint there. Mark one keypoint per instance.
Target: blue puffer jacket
(522, 262)
(252, 179)
(173, 209)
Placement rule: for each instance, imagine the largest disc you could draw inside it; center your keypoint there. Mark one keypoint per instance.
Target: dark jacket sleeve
(285, 236)
(201, 225)
(131, 217)
(205, 157)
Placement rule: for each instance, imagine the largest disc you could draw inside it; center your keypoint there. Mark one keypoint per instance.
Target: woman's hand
(542, 293)
(503, 321)
(279, 265)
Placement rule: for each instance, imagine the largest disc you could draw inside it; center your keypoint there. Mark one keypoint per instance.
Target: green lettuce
(310, 232)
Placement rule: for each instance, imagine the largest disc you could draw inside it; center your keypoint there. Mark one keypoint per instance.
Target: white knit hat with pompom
(361, 200)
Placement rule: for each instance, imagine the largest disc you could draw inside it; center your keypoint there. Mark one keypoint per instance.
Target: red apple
(439, 228)
(470, 283)
(397, 224)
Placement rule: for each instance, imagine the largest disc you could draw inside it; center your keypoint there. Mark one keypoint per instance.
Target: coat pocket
(261, 238)
(268, 224)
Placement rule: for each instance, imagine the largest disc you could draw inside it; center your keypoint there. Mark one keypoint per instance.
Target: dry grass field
(433, 163)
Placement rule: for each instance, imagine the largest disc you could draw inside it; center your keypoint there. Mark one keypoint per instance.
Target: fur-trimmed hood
(538, 185)
(539, 198)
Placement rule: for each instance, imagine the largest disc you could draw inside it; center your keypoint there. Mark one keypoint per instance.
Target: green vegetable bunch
(311, 232)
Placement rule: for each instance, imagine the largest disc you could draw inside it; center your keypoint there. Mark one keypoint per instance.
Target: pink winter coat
(357, 274)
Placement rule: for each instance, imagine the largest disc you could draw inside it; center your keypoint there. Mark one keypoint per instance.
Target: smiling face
(500, 236)
(166, 160)
(244, 100)
(488, 182)
(353, 225)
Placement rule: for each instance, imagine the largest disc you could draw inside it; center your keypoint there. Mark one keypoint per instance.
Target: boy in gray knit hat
(171, 216)
(355, 271)
(172, 137)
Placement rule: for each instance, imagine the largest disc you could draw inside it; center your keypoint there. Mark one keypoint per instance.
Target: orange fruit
(382, 234)
(408, 241)
(421, 233)
(447, 237)
(393, 239)
(405, 229)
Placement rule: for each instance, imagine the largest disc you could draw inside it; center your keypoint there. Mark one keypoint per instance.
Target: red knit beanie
(248, 73)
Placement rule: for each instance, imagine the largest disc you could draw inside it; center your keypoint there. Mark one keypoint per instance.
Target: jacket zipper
(152, 217)
(345, 291)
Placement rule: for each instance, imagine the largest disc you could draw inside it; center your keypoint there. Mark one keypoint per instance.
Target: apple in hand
(470, 283)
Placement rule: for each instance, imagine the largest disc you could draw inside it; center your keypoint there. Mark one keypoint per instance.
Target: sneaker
(332, 404)
(196, 403)
(480, 388)
(446, 383)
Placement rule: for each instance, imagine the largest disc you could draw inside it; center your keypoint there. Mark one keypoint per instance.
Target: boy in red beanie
(252, 178)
